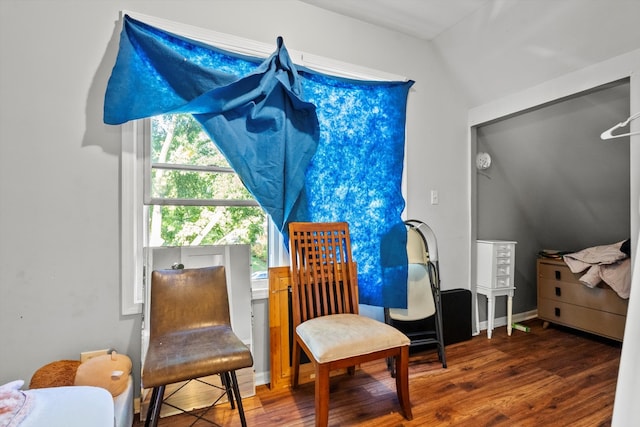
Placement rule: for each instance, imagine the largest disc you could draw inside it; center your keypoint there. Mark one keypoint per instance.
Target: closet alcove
(553, 182)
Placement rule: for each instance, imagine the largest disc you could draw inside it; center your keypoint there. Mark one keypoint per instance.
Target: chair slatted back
(324, 276)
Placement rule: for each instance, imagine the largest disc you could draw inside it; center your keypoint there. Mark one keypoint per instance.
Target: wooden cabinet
(562, 299)
(496, 263)
(281, 332)
(495, 273)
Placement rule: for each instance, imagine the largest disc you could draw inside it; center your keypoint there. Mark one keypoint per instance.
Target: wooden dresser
(562, 299)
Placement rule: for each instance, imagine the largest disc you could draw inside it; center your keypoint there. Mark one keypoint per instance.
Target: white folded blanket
(605, 263)
(15, 405)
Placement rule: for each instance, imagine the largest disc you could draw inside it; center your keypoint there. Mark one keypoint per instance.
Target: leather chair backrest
(187, 299)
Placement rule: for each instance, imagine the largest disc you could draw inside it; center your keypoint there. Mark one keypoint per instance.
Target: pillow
(55, 374)
(109, 371)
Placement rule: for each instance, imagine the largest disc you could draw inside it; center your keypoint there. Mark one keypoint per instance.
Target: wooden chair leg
(296, 364)
(391, 366)
(322, 395)
(402, 381)
(155, 404)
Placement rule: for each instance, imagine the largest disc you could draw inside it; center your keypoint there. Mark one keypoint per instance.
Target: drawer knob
(558, 275)
(558, 291)
(557, 312)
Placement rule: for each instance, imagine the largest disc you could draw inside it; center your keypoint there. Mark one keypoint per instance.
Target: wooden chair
(191, 336)
(327, 325)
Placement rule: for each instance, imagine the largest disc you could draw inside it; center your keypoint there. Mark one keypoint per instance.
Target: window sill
(259, 289)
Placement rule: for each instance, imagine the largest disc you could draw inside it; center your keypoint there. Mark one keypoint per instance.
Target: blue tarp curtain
(308, 146)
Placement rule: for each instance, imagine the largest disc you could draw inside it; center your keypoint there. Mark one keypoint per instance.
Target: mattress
(123, 406)
(74, 406)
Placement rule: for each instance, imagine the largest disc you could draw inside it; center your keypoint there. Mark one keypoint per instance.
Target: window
(194, 196)
(184, 195)
(178, 190)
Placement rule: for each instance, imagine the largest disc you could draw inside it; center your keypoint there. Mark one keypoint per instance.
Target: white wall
(59, 164)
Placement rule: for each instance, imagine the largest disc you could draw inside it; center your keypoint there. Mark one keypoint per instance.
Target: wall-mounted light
(483, 161)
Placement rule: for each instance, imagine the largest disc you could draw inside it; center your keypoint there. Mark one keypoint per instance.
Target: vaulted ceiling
(424, 19)
(496, 47)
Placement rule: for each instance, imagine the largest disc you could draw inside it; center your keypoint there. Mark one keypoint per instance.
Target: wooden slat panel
(322, 271)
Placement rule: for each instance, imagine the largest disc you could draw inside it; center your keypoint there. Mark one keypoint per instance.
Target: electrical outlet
(86, 355)
(434, 197)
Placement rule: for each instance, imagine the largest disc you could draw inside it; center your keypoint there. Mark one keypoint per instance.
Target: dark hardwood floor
(546, 377)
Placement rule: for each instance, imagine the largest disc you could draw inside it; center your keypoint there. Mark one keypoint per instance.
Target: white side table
(495, 272)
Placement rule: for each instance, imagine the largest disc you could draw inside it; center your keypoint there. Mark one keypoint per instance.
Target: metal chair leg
(155, 404)
(226, 383)
(440, 330)
(236, 391)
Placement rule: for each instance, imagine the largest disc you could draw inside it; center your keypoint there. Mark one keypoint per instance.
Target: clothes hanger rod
(608, 134)
(626, 122)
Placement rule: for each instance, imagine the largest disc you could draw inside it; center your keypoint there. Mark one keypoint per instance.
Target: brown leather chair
(325, 314)
(191, 336)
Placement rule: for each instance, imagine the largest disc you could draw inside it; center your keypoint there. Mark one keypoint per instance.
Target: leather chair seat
(184, 355)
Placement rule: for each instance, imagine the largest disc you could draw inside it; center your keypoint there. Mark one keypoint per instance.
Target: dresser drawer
(587, 319)
(579, 294)
(556, 271)
(504, 250)
(556, 282)
(503, 282)
(503, 270)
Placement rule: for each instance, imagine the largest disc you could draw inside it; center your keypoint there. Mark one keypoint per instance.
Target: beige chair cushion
(339, 336)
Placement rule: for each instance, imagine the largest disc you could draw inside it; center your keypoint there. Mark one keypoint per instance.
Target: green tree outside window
(196, 198)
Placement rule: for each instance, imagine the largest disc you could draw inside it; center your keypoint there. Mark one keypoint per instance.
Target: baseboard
(502, 321)
(263, 378)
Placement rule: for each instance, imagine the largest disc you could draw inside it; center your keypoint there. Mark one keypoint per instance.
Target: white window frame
(133, 227)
